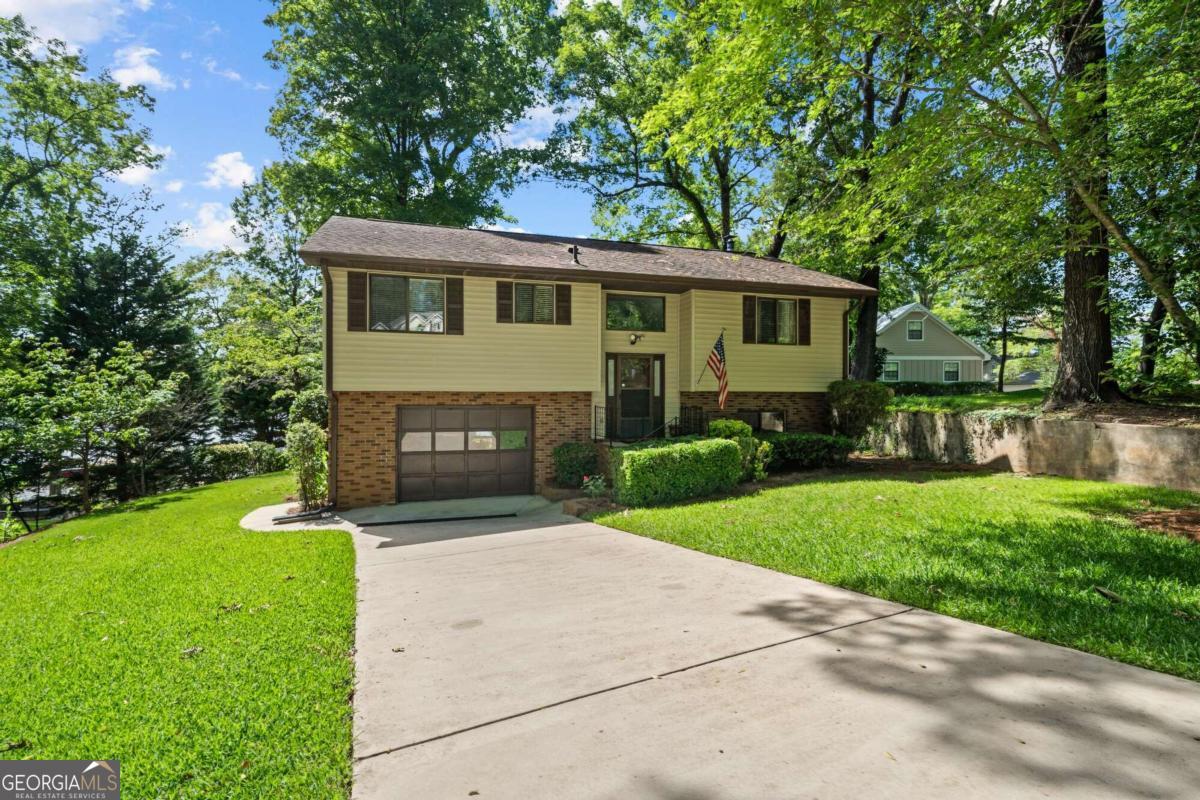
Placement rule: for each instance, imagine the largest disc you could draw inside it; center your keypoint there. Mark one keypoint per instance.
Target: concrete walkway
(543, 657)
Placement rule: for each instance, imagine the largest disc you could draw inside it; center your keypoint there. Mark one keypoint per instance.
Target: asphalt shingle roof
(351, 241)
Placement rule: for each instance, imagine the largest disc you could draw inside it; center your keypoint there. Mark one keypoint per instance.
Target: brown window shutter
(356, 301)
(504, 301)
(562, 304)
(749, 318)
(804, 322)
(454, 306)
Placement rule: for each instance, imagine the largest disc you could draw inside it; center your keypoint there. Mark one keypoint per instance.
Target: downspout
(330, 395)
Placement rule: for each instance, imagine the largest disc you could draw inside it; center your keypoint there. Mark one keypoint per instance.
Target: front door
(635, 394)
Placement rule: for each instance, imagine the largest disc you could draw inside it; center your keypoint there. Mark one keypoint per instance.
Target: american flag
(716, 362)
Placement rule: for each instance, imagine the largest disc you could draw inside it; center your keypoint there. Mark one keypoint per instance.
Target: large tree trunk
(1085, 363)
(1151, 339)
(862, 364)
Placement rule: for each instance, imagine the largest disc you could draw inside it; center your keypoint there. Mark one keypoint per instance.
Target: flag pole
(719, 335)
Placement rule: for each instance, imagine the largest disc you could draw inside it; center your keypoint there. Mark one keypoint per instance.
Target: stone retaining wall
(1146, 455)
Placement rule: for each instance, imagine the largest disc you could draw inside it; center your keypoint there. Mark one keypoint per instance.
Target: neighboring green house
(923, 348)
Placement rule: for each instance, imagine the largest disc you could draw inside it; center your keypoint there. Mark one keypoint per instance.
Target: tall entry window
(407, 305)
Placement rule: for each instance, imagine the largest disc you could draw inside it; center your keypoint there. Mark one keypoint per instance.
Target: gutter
(330, 395)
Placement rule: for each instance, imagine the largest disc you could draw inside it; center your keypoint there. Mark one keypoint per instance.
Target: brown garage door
(463, 451)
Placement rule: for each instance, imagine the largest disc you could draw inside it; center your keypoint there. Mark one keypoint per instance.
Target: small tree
(855, 406)
(306, 457)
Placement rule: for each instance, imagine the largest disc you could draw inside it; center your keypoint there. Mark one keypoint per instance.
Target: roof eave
(326, 258)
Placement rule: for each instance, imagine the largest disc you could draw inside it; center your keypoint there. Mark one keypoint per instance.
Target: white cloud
(211, 65)
(229, 169)
(212, 228)
(143, 5)
(173, 186)
(504, 228)
(133, 67)
(76, 22)
(531, 131)
(141, 174)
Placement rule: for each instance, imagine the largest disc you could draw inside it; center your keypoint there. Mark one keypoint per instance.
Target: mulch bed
(1133, 414)
(1183, 522)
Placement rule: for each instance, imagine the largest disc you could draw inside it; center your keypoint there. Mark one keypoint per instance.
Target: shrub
(855, 406)
(574, 460)
(808, 450)
(311, 405)
(941, 389)
(594, 486)
(224, 462)
(755, 454)
(306, 457)
(669, 472)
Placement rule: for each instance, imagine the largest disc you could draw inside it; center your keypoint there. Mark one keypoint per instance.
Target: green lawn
(1022, 554)
(1029, 399)
(212, 661)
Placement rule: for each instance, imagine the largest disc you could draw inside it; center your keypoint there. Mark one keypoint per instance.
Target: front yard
(213, 662)
(1028, 399)
(1035, 556)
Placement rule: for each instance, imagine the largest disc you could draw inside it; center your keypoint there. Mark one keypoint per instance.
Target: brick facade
(803, 411)
(364, 464)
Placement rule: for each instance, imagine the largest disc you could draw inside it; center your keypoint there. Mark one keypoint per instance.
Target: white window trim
(956, 380)
(920, 322)
(884, 376)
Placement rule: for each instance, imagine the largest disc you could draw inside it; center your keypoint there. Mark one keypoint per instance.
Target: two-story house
(456, 360)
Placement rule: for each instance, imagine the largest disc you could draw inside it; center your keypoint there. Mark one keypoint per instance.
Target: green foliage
(310, 405)
(807, 450)
(594, 485)
(573, 461)
(755, 454)
(166, 609)
(223, 462)
(670, 472)
(941, 389)
(307, 458)
(415, 97)
(855, 406)
(1027, 400)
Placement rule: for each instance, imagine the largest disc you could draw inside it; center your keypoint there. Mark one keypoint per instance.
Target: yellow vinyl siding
(652, 343)
(488, 357)
(764, 367)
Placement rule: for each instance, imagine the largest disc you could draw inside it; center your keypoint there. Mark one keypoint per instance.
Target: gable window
(776, 321)
(950, 370)
(891, 371)
(631, 312)
(533, 302)
(408, 305)
(916, 330)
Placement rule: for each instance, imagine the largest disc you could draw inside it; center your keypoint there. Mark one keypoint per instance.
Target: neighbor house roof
(889, 319)
(347, 241)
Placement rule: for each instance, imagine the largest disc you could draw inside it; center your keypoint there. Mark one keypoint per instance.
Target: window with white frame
(891, 371)
(950, 371)
(916, 330)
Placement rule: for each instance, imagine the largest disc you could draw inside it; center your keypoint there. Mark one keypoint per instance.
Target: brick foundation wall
(804, 411)
(365, 457)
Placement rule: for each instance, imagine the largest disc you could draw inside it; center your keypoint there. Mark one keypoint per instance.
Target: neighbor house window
(533, 302)
(630, 312)
(950, 371)
(410, 305)
(776, 321)
(916, 330)
(891, 371)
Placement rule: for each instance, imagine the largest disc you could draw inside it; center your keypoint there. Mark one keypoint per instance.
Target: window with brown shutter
(356, 301)
(804, 322)
(504, 301)
(749, 319)
(562, 304)
(454, 306)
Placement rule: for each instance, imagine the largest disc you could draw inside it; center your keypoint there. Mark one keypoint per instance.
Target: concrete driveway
(543, 657)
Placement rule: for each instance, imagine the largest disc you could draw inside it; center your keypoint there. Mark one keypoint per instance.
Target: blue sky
(202, 62)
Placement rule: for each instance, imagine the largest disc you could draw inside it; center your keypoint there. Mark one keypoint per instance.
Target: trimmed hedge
(807, 450)
(755, 453)
(941, 389)
(854, 406)
(224, 462)
(666, 473)
(574, 460)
